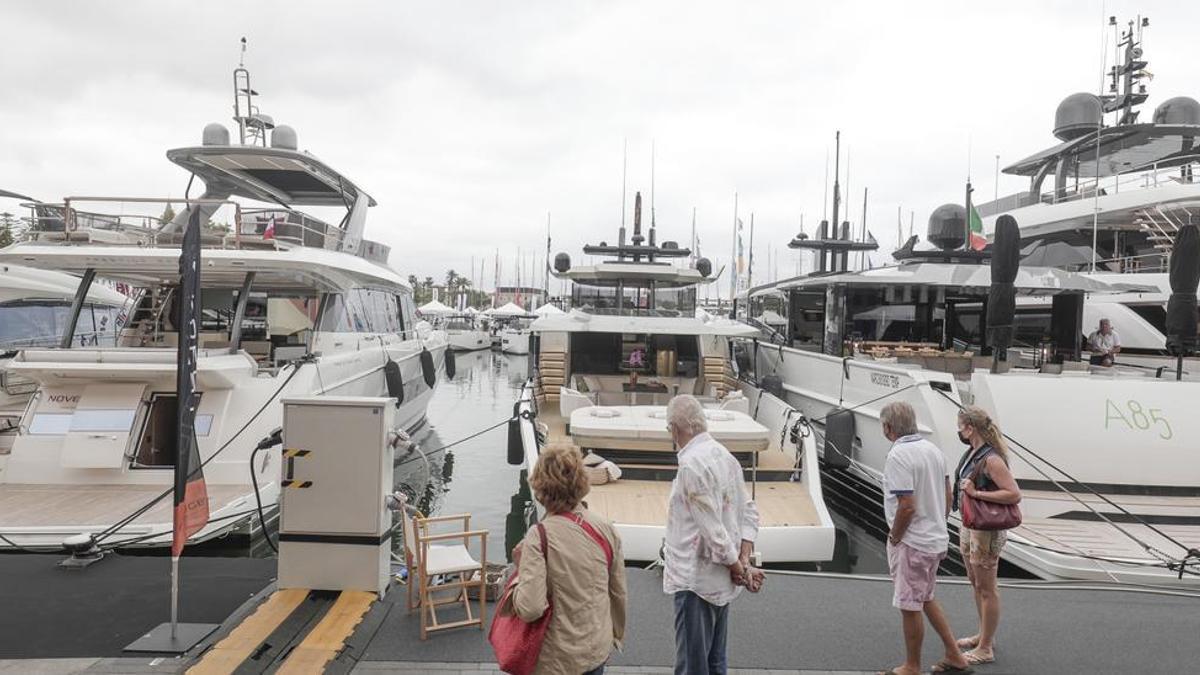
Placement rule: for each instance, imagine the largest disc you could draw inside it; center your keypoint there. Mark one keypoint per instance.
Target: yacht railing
(289, 226)
(1181, 171)
(250, 228)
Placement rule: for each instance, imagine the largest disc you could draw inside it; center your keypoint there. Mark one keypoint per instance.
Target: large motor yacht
(1110, 197)
(1104, 455)
(34, 305)
(605, 372)
(290, 306)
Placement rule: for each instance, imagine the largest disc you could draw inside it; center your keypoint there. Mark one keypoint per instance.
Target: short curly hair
(558, 480)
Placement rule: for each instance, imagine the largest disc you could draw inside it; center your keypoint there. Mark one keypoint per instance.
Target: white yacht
(512, 327)
(291, 305)
(605, 372)
(1127, 507)
(34, 305)
(1110, 197)
(466, 332)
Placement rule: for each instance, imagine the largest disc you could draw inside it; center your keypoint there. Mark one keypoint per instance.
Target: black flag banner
(191, 494)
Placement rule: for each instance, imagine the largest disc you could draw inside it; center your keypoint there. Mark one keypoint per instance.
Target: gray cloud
(470, 120)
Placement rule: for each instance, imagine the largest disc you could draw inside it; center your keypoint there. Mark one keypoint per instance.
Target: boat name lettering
(1137, 417)
(65, 400)
(885, 380)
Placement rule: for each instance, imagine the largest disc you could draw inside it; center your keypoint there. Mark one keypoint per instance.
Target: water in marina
(474, 476)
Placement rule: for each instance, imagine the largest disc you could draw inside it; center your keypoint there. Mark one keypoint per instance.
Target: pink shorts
(914, 574)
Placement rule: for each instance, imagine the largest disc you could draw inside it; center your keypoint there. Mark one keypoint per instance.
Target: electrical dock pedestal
(334, 528)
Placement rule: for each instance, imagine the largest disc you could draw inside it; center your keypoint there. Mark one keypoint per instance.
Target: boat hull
(57, 465)
(1047, 416)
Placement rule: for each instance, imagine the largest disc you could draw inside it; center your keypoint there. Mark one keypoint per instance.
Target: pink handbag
(517, 644)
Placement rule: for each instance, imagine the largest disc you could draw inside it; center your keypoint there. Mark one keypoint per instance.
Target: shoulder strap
(541, 530)
(596, 536)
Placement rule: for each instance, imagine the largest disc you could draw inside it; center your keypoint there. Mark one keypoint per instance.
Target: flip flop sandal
(943, 667)
(977, 660)
(967, 643)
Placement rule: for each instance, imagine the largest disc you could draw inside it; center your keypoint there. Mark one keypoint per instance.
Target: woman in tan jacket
(588, 592)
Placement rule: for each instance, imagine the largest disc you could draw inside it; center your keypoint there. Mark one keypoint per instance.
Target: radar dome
(562, 262)
(704, 267)
(1077, 115)
(284, 137)
(947, 226)
(215, 134)
(670, 246)
(1178, 110)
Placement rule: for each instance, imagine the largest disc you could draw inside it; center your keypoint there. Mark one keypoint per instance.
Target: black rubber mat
(48, 612)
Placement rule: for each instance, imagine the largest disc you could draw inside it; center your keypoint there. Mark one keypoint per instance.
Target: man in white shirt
(916, 492)
(1104, 344)
(711, 526)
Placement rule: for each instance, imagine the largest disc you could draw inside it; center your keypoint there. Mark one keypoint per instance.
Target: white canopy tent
(548, 310)
(511, 309)
(434, 308)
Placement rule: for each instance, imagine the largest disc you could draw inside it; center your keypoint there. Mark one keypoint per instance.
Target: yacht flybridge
(1111, 197)
(1105, 456)
(607, 368)
(291, 305)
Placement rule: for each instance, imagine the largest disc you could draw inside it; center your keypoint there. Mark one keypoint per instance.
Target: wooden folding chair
(430, 554)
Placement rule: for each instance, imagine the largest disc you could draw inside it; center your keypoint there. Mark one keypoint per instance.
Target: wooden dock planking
(328, 638)
(83, 505)
(236, 647)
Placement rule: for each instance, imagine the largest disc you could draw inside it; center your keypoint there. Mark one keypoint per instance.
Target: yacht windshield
(40, 323)
(634, 298)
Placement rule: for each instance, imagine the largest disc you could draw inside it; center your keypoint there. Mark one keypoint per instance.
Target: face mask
(964, 438)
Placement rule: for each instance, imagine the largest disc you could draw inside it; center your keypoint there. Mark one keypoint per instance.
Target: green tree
(8, 227)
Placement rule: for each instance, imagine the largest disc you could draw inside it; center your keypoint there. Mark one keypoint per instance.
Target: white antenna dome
(283, 136)
(215, 134)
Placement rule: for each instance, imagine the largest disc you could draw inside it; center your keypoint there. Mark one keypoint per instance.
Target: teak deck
(84, 505)
(644, 502)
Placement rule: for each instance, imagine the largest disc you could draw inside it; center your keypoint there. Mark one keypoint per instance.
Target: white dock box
(337, 468)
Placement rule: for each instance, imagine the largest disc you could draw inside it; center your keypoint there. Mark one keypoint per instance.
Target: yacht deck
(72, 507)
(781, 503)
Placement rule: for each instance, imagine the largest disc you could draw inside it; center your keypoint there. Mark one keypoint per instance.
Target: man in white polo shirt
(916, 491)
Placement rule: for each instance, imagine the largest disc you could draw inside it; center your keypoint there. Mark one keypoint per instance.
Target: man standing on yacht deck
(711, 526)
(916, 491)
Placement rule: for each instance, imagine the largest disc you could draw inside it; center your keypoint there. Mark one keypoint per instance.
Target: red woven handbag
(978, 514)
(517, 644)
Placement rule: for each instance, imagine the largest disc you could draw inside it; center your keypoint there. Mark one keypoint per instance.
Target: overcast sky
(469, 121)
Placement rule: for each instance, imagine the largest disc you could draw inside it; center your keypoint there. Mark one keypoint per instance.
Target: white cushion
(449, 559)
(604, 412)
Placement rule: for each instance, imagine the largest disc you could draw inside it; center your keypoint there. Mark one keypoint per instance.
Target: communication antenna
(624, 172)
(252, 125)
(652, 192)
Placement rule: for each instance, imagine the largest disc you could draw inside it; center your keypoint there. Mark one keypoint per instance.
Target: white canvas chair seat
(427, 557)
(449, 559)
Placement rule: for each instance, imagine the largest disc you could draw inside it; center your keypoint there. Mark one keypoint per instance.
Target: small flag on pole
(978, 241)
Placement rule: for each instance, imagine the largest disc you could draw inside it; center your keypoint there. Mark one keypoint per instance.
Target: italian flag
(977, 241)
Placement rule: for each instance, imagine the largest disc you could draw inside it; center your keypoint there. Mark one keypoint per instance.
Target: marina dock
(67, 622)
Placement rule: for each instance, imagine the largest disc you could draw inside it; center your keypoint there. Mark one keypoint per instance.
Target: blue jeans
(700, 629)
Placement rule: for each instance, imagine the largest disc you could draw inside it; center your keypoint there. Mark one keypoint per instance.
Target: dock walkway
(69, 622)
